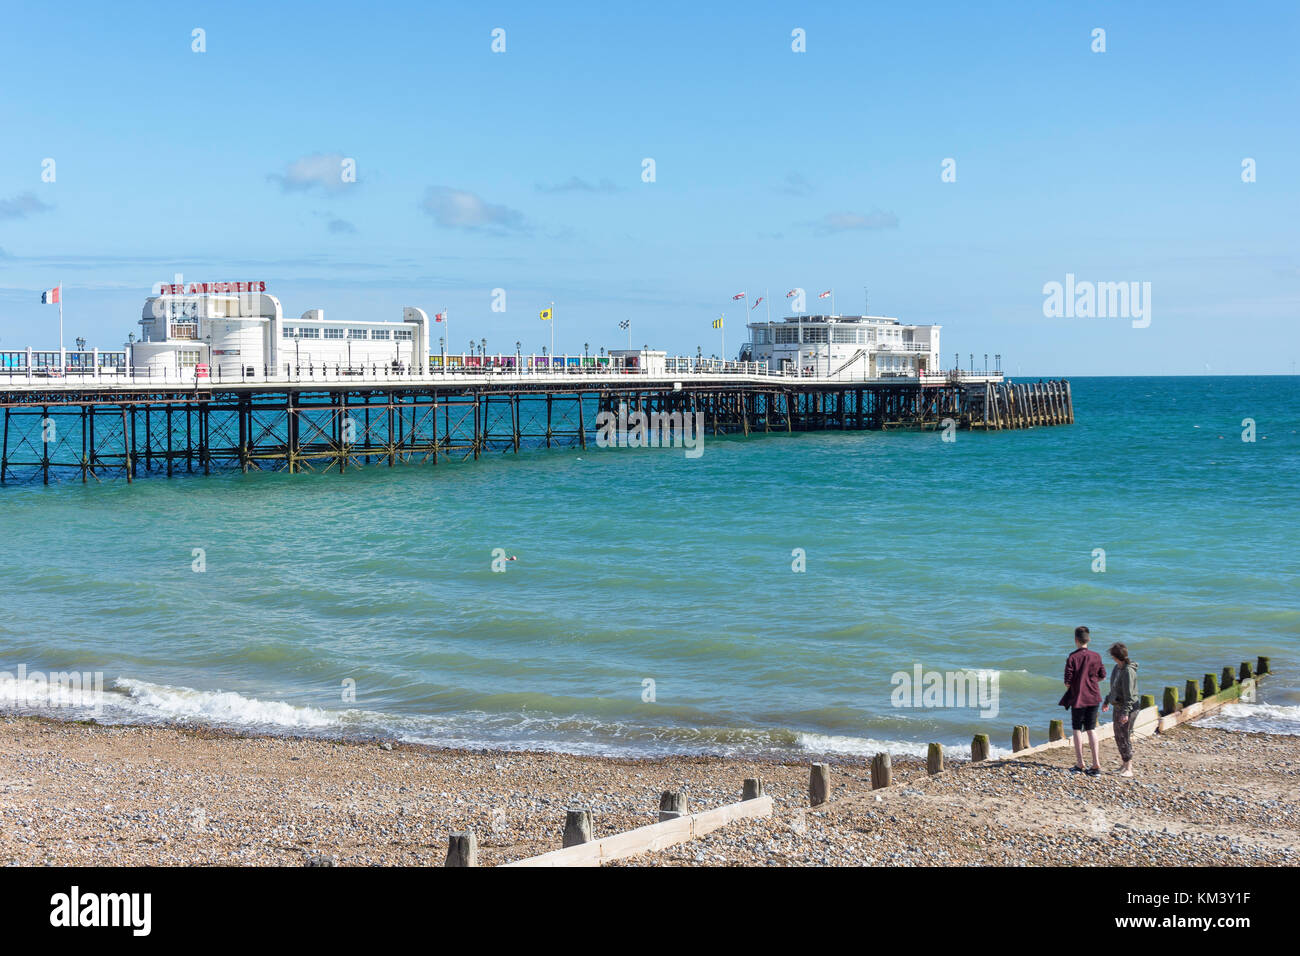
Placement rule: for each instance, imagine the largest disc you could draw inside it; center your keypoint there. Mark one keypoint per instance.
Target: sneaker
(1094, 771)
(1076, 770)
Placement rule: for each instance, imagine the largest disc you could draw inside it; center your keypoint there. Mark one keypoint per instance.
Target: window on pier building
(845, 336)
(309, 333)
(405, 335)
(760, 336)
(188, 358)
(356, 333)
(379, 333)
(288, 332)
(815, 334)
(333, 333)
(787, 336)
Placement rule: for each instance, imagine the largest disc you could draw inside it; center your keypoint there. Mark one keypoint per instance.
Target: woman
(1124, 695)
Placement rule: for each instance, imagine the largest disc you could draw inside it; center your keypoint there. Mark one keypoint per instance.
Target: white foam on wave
(137, 701)
(228, 708)
(1256, 718)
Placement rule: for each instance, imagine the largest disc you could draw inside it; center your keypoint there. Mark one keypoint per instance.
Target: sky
(774, 168)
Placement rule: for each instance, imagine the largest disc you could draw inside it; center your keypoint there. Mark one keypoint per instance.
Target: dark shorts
(1083, 718)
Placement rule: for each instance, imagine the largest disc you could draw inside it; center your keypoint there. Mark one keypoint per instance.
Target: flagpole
(62, 358)
(552, 333)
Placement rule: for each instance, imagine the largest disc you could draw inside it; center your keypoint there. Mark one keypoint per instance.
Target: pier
(110, 424)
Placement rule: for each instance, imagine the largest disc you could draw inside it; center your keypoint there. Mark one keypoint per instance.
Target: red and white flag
(439, 316)
(825, 295)
(738, 295)
(52, 296)
(756, 302)
(792, 293)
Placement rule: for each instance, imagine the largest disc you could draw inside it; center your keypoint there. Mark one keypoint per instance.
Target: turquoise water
(643, 564)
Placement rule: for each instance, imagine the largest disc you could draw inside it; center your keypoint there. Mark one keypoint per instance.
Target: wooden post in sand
(1148, 700)
(934, 759)
(1247, 670)
(1210, 685)
(1170, 705)
(753, 788)
(1191, 693)
(979, 748)
(1056, 730)
(462, 849)
(672, 804)
(577, 827)
(819, 784)
(1262, 667)
(881, 771)
(1228, 678)
(1019, 737)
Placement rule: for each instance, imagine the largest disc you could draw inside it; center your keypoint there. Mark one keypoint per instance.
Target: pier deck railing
(457, 370)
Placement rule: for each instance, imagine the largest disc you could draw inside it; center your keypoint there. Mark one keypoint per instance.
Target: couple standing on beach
(1083, 673)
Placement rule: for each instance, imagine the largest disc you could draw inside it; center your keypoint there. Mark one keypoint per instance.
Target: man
(1083, 673)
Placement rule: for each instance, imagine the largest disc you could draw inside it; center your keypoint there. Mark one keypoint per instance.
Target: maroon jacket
(1083, 673)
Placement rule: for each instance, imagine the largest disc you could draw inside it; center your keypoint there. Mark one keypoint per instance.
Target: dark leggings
(1124, 737)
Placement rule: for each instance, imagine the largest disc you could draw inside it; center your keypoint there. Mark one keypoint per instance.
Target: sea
(780, 595)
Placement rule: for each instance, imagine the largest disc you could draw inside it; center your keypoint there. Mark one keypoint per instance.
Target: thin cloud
(341, 227)
(576, 184)
(846, 221)
(461, 209)
(21, 206)
(794, 185)
(318, 171)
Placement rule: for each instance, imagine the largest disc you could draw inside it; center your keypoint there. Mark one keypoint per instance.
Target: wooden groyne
(108, 431)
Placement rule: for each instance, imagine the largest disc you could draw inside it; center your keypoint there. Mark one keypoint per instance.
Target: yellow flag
(717, 323)
(544, 315)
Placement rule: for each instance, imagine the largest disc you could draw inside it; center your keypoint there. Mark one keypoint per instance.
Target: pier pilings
(105, 432)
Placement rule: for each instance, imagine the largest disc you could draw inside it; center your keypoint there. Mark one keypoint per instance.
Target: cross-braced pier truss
(107, 432)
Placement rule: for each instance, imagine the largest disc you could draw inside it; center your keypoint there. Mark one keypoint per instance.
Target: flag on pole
(52, 296)
(625, 324)
(792, 293)
(439, 316)
(756, 302)
(544, 315)
(825, 295)
(717, 323)
(738, 295)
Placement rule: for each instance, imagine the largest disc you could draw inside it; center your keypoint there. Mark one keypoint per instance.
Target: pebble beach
(89, 794)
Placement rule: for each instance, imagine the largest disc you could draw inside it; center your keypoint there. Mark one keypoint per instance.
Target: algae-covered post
(979, 748)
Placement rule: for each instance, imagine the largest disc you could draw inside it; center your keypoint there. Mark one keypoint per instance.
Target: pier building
(845, 346)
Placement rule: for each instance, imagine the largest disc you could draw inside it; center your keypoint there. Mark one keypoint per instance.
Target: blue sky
(522, 170)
